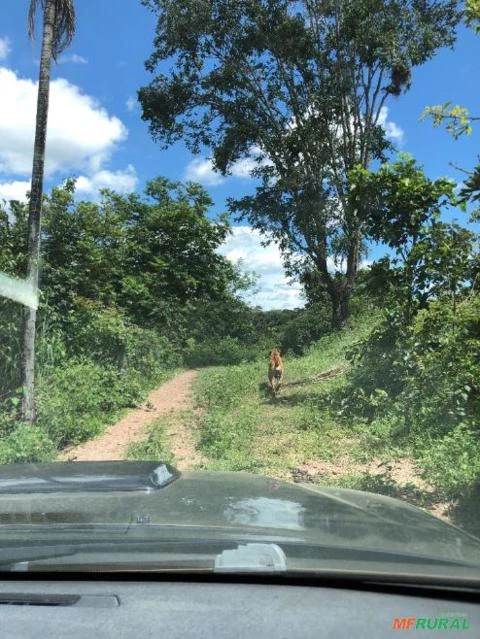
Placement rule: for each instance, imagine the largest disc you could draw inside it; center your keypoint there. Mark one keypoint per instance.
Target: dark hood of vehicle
(152, 498)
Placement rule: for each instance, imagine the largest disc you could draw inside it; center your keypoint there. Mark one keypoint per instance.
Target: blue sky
(96, 132)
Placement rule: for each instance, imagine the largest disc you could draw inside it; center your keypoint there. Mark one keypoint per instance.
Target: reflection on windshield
(266, 512)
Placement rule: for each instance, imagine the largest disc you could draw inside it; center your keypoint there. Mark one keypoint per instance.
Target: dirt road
(172, 397)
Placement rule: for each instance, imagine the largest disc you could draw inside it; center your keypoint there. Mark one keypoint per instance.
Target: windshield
(240, 286)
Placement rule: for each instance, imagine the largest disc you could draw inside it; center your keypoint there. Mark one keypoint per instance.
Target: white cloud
(74, 58)
(243, 168)
(5, 47)
(120, 181)
(131, 103)
(274, 289)
(81, 134)
(201, 170)
(16, 190)
(392, 130)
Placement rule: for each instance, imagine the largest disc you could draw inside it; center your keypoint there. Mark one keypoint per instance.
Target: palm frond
(64, 23)
(32, 12)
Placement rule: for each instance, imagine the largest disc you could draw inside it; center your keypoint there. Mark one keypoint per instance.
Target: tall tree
(297, 88)
(58, 32)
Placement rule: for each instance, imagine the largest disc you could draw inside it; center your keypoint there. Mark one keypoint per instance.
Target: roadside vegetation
(347, 420)
(122, 286)
(383, 363)
(155, 446)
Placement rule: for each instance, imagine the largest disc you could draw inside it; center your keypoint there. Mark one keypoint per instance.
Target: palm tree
(58, 32)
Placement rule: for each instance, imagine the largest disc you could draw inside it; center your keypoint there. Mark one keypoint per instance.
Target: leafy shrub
(97, 332)
(221, 352)
(10, 338)
(107, 335)
(149, 353)
(380, 364)
(442, 389)
(156, 447)
(420, 384)
(77, 398)
(26, 444)
(451, 463)
(306, 328)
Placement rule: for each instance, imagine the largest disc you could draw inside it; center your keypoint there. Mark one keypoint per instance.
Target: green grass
(155, 446)
(244, 428)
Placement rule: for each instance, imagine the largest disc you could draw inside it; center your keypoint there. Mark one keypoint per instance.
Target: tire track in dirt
(170, 398)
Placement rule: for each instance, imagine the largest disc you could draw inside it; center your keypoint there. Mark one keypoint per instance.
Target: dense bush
(107, 335)
(451, 463)
(77, 398)
(305, 328)
(26, 444)
(442, 385)
(218, 352)
(421, 381)
(10, 336)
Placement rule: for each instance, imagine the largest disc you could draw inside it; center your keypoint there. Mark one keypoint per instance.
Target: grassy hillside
(303, 435)
(244, 428)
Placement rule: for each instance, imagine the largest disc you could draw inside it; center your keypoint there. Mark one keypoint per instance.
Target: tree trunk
(340, 311)
(35, 212)
(340, 288)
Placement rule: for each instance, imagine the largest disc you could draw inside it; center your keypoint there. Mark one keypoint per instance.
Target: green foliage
(458, 120)
(106, 334)
(452, 462)
(26, 444)
(441, 389)
(265, 80)
(472, 14)
(422, 380)
(433, 258)
(77, 398)
(147, 256)
(270, 326)
(155, 447)
(306, 328)
(398, 200)
(217, 319)
(417, 371)
(471, 187)
(10, 340)
(217, 352)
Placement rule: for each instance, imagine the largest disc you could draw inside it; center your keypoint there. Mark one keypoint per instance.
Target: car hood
(153, 499)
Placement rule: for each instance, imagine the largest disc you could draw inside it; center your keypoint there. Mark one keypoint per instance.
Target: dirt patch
(399, 478)
(401, 471)
(183, 434)
(175, 395)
